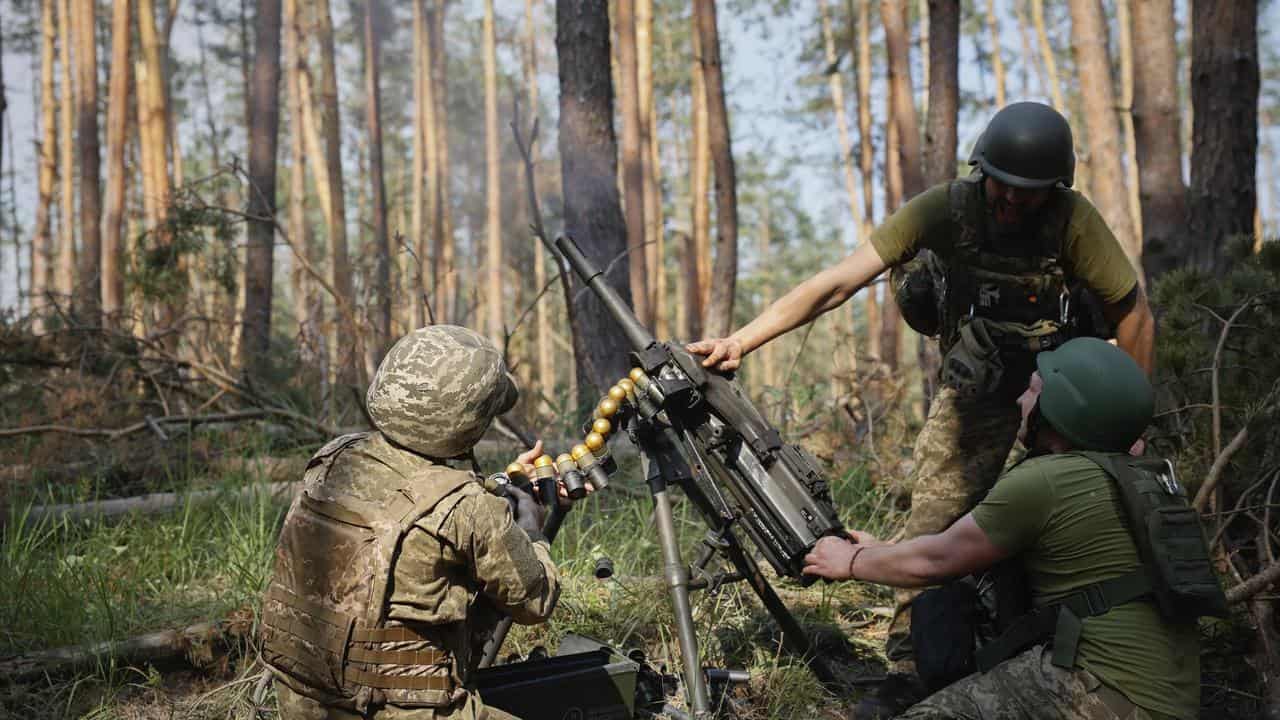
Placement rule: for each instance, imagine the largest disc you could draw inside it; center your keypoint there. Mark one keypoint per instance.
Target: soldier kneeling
(370, 609)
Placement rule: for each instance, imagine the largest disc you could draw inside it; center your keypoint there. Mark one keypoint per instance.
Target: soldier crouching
(374, 604)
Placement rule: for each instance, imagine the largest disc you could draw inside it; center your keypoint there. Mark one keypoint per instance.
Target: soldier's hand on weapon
(723, 354)
(834, 558)
(529, 514)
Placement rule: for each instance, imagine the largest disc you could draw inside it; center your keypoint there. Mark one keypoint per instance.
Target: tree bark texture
(117, 135)
(588, 162)
(724, 272)
(632, 159)
(1224, 148)
(1106, 146)
(336, 208)
(66, 271)
(493, 188)
(655, 245)
(153, 138)
(447, 285)
(306, 301)
(835, 81)
(42, 240)
(997, 52)
(1125, 110)
(381, 320)
(867, 163)
(264, 130)
(893, 15)
(89, 287)
(890, 317)
(944, 91)
(1047, 56)
(699, 188)
(420, 240)
(545, 365)
(1157, 134)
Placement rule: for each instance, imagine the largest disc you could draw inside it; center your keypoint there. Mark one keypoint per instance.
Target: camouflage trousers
(294, 706)
(958, 457)
(1028, 687)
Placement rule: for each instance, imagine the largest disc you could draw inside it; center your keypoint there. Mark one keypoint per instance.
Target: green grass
(70, 583)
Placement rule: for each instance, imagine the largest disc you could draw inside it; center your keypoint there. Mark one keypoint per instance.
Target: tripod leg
(677, 577)
(793, 636)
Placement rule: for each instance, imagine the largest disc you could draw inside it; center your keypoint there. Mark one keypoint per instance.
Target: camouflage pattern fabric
(958, 457)
(437, 390)
(1028, 687)
(300, 707)
(437, 540)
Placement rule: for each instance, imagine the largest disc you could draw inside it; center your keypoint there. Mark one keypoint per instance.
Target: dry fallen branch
(194, 645)
(1215, 472)
(152, 503)
(1254, 585)
(149, 423)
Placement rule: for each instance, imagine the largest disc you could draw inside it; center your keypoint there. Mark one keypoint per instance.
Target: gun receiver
(772, 489)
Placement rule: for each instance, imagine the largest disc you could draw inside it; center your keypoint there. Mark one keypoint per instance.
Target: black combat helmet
(1027, 145)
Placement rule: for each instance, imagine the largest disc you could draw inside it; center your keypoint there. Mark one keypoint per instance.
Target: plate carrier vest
(324, 623)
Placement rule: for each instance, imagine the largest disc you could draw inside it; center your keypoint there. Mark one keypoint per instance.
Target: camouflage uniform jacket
(378, 570)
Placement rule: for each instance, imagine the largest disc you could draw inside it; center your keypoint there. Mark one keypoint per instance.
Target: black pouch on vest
(944, 622)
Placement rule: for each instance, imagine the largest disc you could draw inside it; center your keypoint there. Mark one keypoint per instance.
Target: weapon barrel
(637, 335)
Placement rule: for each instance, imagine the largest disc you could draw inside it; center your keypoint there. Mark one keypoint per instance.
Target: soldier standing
(990, 264)
(371, 611)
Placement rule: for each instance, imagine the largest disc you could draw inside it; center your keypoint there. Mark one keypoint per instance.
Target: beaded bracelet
(856, 552)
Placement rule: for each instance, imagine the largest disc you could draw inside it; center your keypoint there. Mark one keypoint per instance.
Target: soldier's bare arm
(1135, 328)
(822, 292)
(926, 560)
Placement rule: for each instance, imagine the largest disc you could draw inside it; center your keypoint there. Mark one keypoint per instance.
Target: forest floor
(77, 582)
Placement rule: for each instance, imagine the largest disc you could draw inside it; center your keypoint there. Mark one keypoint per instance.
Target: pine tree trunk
(381, 320)
(893, 15)
(420, 241)
(588, 161)
(997, 52)
(655, 246)
(699, 187)
(1047, 56)
(1224, 149)
(724, 273)
(117, 180)
(1126, 122)
(447, 289)
(1157, 135)
(836, 82)
(944, 91)
(306, 304)
(493, 189)
(89, 289)
(632, 159)
(153, 113)
(546, 370)
(264, 129)
(344, 331)
(1089, 40)
(866, 164)
(66, 272)
(431, 165)
(42, 240)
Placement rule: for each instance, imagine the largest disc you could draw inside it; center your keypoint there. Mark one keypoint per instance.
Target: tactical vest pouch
(973, 366)
(1168, 534)
(919, 289)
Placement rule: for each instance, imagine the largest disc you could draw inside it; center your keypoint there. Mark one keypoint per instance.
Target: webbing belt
(1032, 343)
(348, 643)
(1063, 621)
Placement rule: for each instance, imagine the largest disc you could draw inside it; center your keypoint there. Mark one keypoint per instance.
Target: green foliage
(158, 266)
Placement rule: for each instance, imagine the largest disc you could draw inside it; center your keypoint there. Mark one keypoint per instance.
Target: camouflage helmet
(1094, 394)
(438, 389)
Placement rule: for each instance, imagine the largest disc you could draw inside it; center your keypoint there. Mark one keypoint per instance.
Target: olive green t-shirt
(1062, 515)
(1090, 252)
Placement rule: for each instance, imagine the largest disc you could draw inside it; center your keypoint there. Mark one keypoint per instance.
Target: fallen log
(196, 645)
(150, 504)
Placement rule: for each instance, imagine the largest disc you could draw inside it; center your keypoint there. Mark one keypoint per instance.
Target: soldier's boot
(890, 698)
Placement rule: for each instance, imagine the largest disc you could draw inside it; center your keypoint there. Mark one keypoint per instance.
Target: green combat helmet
(1027, 145)
(1095, 395)
(438, 389)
